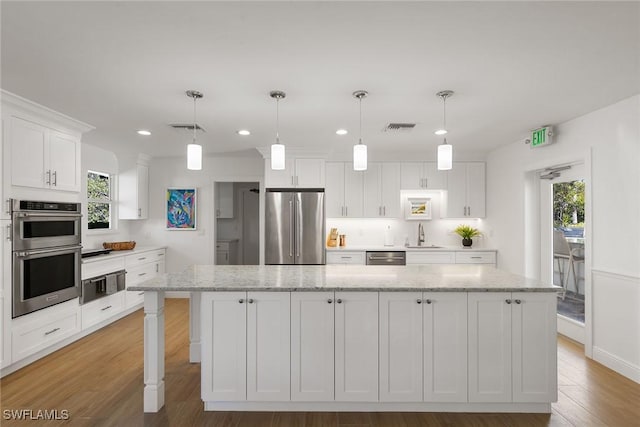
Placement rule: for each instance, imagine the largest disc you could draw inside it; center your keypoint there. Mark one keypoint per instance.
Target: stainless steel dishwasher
(386, 258)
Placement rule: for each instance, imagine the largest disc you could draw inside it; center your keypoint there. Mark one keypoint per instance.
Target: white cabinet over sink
(422, 176)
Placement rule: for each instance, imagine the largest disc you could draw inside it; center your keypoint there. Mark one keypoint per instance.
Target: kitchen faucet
(420, 234)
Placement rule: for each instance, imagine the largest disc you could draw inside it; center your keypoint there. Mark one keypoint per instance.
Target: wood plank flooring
(99, 381)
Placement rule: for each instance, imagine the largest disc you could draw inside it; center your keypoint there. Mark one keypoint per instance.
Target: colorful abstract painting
(181, 208)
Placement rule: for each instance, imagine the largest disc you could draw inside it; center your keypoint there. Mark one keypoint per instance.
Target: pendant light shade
(360, 149)
(194, 150)
(445, 156)
(277, 150)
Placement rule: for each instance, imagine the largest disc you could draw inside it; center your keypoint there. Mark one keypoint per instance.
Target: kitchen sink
(425, 247)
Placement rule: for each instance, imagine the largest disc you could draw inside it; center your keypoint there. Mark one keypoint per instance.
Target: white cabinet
(245, 346)
(346, 257)
(466, 190)
(134, 192)
(298, 173)
(5, 294)
(423, 347)
(430, 257)
(422, 176)
(343, 191)
(312, 346)
(224, 199)
(382, 190)
(512, 347)
(42, 157)
(142, 266)
(102, 309)
(226, 252)
(476, 257)
(356, 349)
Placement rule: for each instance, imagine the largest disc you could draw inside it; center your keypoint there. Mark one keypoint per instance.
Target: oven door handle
(48, 215)
(24, 254)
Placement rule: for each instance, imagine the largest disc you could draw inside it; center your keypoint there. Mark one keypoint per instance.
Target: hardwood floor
(99, 381)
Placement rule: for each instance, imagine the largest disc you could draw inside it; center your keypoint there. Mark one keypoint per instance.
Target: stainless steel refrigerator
(294, 226)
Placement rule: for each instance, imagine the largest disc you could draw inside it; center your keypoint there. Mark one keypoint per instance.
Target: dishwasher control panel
(386, 258)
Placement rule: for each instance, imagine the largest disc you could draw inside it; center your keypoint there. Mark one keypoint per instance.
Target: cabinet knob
(250, 301)
(240, 301)
(518, 301)
(339, 301)
(428, 301)
(419, 301)
(508, 301)
(329, 301)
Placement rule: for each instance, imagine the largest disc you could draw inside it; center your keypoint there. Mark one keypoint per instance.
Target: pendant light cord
(444, 112)
(194, 119)
(360, 139)
(277, 120)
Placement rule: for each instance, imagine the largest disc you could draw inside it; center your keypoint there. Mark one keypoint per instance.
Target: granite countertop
(450, 278)
(118, 254)
(426, 248)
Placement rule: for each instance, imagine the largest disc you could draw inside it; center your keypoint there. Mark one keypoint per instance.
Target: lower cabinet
(101, 309)
(423, 347)
(512, 347)
(245, 346)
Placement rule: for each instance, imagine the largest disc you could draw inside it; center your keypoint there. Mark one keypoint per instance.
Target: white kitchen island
(451, 338)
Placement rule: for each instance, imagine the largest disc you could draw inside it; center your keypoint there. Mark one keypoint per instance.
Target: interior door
(279, 236)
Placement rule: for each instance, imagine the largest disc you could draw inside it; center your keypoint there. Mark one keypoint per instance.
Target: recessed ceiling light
(441, 132)
(144, 132)
(244, 132)
(342, 132)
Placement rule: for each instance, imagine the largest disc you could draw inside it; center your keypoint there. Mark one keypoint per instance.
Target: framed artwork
(418, 208)
(181, 208)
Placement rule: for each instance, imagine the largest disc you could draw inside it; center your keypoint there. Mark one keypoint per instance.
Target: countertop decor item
(467, 232)
(119, 246)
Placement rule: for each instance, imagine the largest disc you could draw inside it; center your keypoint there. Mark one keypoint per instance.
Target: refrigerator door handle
(298, 224)
(291, 229)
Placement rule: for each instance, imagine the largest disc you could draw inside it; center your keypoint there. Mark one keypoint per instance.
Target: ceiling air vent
(399, 127)
(186, 127)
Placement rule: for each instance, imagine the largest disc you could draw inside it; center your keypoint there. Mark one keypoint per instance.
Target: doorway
(562, 201)
(237, 224)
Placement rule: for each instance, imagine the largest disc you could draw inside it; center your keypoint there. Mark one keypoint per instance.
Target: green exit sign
(540, 137)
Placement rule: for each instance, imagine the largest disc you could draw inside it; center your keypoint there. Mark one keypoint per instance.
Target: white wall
(100, 160)
(185, 248)
(608, 142)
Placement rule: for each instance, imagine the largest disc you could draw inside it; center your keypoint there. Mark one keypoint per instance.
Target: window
(99, 200)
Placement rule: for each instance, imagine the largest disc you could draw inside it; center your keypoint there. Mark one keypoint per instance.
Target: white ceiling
(123, 66)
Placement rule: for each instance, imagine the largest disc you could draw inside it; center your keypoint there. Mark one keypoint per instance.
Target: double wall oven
(46, 258)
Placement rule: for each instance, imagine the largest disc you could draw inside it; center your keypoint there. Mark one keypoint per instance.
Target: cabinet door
(489, 347)
(356, 355)
(534, 347)
(28, 142)
(457, 191)
(476, 190)
(143, 191)
(279, 178)
(390, 190)
(334, 190)
(268, 346)
(224, 346)
(312, 346)
(64, 162)
(400, 346)
(353, 192)
(434, 179)
(309, 173)
(372, 202)
(445, 346)
(222, 257)
(411, 176)
(224, 200)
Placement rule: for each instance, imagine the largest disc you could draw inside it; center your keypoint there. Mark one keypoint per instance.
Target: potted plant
(467, 232)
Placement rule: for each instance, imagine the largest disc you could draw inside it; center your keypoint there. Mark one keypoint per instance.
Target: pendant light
(194, 150)
(445, 151)
(277, 149)
(360, 150)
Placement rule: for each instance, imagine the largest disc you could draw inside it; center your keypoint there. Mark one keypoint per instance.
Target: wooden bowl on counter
(119, 246)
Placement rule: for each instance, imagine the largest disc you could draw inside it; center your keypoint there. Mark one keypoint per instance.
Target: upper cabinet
(466, 190)
(382, 190)
(134, 190)
(224, 199)
(422, 176)
(42, 157)
(343, 191)
(298, 173)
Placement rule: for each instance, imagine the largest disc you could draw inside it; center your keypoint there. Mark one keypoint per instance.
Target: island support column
(153, 351)
(194, 327)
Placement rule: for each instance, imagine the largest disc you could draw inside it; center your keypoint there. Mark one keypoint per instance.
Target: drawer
(346, 257)
(37, 336)
(144, 257)
(101, 309)
(430, 257)
(141, 273)
(475, 257)
(222, 246)
(132, 298)
(98, 268)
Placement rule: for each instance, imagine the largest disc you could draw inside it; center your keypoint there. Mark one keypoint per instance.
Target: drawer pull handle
(329, 301)
(141, 274)
(476, 257)
(508, 301)
(346, 257)
(142, 259)
(339, 301)
(419, 301)
(240, 301)
(250, 301)
(105, 308)
(428, 301)
(518, 301)
(141, 293)
(52, 331)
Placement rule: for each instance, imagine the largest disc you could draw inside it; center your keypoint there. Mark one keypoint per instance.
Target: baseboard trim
(619, 365)
(538, 408)
(571, 329)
